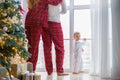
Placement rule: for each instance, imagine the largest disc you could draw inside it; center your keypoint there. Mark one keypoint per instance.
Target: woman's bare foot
(62, 74)
(50, 74)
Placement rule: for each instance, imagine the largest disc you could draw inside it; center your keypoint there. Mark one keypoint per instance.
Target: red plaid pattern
(39, 13)
(53, 34)
(33, 35)
(54, 2)
(36, 18)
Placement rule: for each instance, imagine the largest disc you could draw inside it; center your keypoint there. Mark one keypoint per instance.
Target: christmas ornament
(5, 28)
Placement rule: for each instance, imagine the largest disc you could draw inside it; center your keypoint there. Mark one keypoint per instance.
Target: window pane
(41, 64)
(67, 54)
(82, 22)
(65, 25)
(68, 2)
(81, 2)
(86, 55)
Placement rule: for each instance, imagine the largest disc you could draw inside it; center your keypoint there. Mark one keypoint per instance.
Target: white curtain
(105, 57)
(101, 52)
(116, 38)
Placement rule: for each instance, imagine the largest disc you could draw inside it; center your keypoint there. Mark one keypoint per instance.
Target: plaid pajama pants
(33, 35)
(53, 34)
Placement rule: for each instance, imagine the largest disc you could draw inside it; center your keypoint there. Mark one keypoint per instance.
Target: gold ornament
(9, 0)
(9, 8)
(5, 20)
(9, 37)
(5, 35)
(2, 43)
(0, 65)
(7, 73)
(15, 49)
(1, 10)
(1, 55)
(16, 15)
(0, 39)
(10, 26)
(19, 40)
(14, 9)
(15, 39)
(4, 14)
(14, 19)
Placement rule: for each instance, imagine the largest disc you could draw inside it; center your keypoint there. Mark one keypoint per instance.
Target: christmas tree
(12, 32)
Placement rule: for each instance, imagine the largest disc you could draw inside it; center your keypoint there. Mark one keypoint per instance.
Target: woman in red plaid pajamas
(36, 20)
(54, 34)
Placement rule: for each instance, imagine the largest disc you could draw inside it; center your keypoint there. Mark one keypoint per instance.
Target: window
(66, 28)
(82, 23)
(82, 2)
(78, 18)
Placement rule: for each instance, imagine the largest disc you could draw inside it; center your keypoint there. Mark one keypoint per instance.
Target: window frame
(72, 8)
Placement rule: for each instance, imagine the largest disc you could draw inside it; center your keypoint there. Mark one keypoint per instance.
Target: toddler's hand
(82, 50)
(84, 39)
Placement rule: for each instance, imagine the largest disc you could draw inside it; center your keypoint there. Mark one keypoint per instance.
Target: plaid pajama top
(38, 15)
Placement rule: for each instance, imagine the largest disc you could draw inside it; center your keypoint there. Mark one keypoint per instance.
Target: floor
(84, 76)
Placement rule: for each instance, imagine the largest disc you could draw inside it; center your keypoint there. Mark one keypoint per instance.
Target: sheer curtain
(105, 55)
(101, 53)
(116, 38)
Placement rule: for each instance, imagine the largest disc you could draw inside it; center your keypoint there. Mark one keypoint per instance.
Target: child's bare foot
(75, 72)
(82, 72)
(78, 72)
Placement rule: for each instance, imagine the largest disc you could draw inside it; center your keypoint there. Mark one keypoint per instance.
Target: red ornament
(21, 10)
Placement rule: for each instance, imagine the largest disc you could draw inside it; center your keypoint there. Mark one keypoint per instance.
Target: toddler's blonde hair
(76, 33)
